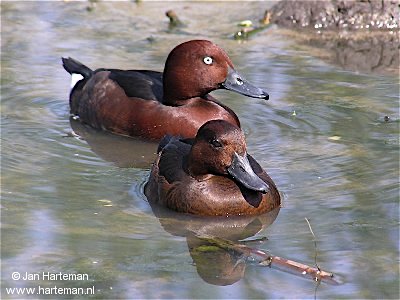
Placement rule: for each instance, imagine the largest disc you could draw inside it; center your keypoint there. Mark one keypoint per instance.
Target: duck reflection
(213, 241)
(123, 151)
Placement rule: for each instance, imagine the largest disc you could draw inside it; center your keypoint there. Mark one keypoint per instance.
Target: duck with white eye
(208, 60)
(235, 82)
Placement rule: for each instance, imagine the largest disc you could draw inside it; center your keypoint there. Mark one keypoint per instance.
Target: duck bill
(241, 171)
(235, 82)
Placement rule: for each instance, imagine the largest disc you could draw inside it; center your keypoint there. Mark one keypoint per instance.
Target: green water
(72, 198)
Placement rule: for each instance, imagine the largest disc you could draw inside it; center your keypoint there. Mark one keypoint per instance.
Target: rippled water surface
(72, 198)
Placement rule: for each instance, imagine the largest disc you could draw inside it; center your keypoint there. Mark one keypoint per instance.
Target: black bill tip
(236, 83)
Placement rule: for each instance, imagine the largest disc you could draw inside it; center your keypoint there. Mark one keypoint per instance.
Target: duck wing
(171, 160)
(143, 84)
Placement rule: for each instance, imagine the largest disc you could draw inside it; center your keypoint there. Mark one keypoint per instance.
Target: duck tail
(77, 70)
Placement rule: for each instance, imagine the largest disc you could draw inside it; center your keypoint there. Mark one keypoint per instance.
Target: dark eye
(216, 143)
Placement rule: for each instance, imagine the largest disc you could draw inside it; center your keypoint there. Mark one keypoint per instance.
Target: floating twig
(317, 278)
(315, 244)
(267, 259)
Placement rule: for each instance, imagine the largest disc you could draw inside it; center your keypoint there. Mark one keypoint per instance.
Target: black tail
(73, 66)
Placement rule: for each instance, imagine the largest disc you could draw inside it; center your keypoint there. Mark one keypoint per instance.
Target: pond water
(72, 198)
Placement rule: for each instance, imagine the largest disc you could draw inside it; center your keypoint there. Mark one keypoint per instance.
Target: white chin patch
(75, 78)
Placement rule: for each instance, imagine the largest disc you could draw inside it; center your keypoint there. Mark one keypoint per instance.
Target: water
(72, 200)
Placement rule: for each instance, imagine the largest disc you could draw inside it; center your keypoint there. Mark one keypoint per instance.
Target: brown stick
(273, 261)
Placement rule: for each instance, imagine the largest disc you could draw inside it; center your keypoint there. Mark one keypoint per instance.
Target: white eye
(208, 60)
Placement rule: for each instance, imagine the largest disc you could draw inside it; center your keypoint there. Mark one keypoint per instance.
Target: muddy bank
(360, 36)
(332, 14)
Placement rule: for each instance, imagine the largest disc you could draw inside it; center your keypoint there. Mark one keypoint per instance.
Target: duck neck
(177, 92)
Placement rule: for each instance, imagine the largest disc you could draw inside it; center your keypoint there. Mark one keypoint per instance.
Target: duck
(210, 175)
(150, 104)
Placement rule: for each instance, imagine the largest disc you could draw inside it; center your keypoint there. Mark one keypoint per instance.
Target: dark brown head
(220, 149)
(197, 67)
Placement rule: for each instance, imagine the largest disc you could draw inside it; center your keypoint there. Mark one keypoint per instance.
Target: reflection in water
(42, 250)
(124, 152)
(367, 52)
(218, 249)
(215, 265)
(371, 53)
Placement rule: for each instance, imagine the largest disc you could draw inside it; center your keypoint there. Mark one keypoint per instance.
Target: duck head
(220, 149)
(197, 67)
